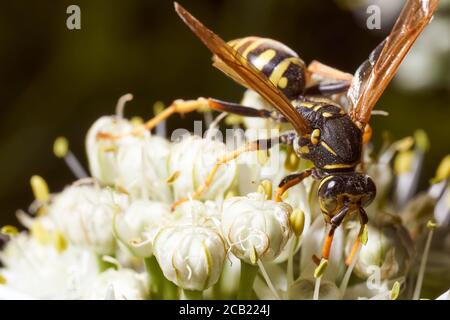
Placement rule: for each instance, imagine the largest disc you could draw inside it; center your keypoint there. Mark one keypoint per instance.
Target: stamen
(59, 241)
(253, 255)
(40, 189)
(268, 281)
(10, 231)
(113, 261)
(61, 150)
(2, 279)
(41, 234)
(317, 288)
(443, 170)
(297, 222)
(265, 188)
(320, 270)
(395, 291)
(348, 272)
(173, 177)
(120, 106)
(208, 118)
(431, 226)
(161, 127)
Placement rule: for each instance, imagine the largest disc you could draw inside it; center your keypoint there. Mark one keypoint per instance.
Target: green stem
(248, 274)
(160, 288)
(193, 294)
(423, 264)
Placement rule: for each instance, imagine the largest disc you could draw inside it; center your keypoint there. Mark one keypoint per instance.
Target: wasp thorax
(354, 190)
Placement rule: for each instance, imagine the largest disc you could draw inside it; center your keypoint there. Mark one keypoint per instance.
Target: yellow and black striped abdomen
(278, 62)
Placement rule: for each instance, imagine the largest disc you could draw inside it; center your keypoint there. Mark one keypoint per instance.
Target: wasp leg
(262, 144)
(316, 68)
(335, 222)
(178, 106)
(290, 181)
(186, 106)
(245, 111)
(367, 134)
(363, 220)
(328, 88)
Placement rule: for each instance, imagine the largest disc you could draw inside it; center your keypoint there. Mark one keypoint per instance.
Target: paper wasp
(324, 133)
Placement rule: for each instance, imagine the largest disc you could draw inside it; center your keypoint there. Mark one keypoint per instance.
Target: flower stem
(248, 274)
(317, 288)
(423, 264)
(160, 287)
(268, 281)
(348, 273)
(290, 266)
(193, 294)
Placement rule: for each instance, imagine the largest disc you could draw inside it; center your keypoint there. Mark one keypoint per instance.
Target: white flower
(102, 153)
(142, 168)
(192, 257)
(84, 214)
(44, 271)
(195, 212)
(254, 227)
(137, 226)
(122, 284)
(192, 160)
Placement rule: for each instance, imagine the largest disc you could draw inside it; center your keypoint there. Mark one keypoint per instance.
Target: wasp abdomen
(277, 61)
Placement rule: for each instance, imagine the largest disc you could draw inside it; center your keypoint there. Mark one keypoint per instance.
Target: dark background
(54, 81)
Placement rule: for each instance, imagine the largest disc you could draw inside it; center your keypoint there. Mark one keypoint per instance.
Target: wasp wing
(239, 69)
(374, 74)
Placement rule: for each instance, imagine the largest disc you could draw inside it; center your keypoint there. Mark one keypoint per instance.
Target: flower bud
(101, 152)
(389, 248)
(142, 168)
(256, 228)
(195, 212)
(84, 214)
(139, 223)
(194, 158)
(123, 284)
(192, 257)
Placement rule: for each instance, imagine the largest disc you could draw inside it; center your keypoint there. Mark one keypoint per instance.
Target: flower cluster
(115, 235)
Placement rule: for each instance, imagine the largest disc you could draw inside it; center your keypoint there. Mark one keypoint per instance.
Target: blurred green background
(54, 81)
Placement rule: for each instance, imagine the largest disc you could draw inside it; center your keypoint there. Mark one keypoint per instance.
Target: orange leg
(178, 106)
(262, 144)
(252, 146)
(367, 135)
(327, 72)
(290, 181)
(335, 222)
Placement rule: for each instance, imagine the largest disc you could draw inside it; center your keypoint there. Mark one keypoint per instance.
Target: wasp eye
(328, 191)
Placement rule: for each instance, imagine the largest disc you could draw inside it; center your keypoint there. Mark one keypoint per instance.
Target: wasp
(324, 132)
